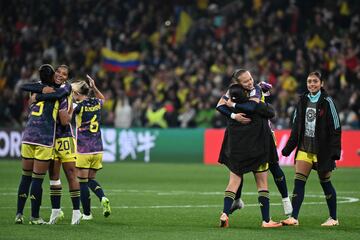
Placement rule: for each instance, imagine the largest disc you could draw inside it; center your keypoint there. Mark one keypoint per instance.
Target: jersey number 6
(94, 125)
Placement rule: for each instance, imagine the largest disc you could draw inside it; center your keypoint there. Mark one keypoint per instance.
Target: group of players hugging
(249, 146)
(48, 142)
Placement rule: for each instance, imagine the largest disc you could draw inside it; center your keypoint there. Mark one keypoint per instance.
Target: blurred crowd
(181, 78)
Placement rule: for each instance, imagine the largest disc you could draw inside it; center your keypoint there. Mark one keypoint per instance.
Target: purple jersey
(40, 127)
(88, 134)
(256, 92)
(64, 131)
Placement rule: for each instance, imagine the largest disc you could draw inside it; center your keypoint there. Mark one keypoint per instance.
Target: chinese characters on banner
(128, 143)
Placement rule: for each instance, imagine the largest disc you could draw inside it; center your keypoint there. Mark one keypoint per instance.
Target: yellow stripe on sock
(325, 180)
(26, 173)
(83, 180)
(300, 177)
(230, 194)
(75, 193)
(40, 176)
(263, 194)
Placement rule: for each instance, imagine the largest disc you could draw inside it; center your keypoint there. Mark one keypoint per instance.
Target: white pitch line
(344, 200)
(176, 193)
(13, 191)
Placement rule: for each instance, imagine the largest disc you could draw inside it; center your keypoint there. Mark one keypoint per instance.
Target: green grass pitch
(181, 201)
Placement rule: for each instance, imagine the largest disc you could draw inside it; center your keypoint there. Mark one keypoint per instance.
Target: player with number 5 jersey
(89, 143)
(37, 149)
(64, 148)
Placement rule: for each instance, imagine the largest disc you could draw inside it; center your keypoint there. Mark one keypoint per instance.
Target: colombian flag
(115, 61)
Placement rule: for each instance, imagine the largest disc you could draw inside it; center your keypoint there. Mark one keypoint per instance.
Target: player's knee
(324, 176)
(71, 173)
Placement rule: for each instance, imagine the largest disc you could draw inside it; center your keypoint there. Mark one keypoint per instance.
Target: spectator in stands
(279, 42)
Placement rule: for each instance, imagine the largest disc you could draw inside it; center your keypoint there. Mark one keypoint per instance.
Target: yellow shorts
(262, 168)
(37, 152)
(65, 149)
(93, 161)
(307, 157)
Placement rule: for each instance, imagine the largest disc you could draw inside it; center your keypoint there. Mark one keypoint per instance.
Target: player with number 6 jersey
(89, 144)
(88, 116)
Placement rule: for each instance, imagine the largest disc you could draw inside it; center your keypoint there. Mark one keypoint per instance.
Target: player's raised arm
(97, 92)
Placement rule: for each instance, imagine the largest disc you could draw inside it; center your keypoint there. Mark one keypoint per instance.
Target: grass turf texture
(177, 201)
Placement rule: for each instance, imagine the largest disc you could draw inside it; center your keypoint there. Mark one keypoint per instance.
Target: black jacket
(246, 146)
(327, 131)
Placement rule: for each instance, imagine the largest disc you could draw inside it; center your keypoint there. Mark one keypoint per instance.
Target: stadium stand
(186, 50)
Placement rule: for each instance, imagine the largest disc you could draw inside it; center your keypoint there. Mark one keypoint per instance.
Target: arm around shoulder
(32, 87)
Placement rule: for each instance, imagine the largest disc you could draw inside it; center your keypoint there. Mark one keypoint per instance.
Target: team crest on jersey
(310, 114)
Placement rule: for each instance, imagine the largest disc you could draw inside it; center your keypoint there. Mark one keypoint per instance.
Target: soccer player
(37, 150)
(245, 149)
(316, 132)
(65, 153)
(244, 78)
(256, 92)
(89, 144)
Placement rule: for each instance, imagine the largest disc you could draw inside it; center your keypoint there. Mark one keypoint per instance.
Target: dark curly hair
(46, 73)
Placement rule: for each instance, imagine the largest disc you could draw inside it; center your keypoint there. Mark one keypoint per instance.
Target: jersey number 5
(40, 111)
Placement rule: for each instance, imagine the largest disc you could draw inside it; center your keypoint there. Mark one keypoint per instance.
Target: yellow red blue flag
(116, 61)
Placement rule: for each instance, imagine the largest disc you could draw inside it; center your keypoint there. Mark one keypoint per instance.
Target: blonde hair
(81, 87)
